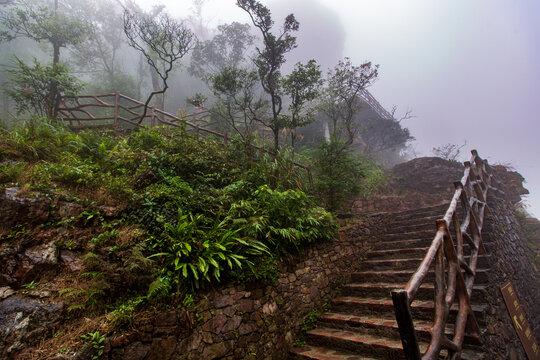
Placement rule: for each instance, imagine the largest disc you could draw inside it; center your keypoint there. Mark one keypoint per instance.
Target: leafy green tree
(270, 58)
(43, 25)
(302, 86)
(341, 97)
(47, 25)
(237, 101)
(30, 87)
(162, 40)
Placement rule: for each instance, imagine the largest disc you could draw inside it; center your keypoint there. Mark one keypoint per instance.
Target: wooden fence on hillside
(119, 111)
(454, 276)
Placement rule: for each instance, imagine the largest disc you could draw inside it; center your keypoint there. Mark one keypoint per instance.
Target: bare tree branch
(162, 40)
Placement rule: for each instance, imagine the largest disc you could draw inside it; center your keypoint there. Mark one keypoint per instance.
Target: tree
(227, 49)
(162, 40)
(237, 101)
(30, 87)
(44, 25)
(341, 100)
(302, 86)
(222, 63)
(270, 58)
(105, 39)
(448, 151)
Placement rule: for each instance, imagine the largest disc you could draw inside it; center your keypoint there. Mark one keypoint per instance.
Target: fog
(468, 70)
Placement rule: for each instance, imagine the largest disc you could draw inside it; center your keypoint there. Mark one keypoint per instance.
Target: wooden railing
(115, 109)
(454, 275)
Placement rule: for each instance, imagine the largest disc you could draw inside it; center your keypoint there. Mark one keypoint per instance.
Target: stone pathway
(361, 324)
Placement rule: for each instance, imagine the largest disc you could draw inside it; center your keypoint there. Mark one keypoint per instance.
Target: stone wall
(252, 321)
(513, 260)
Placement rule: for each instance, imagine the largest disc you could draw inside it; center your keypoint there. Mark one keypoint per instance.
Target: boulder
(23, 321)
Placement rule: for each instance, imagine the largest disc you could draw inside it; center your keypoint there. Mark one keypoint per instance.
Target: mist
(467, 70)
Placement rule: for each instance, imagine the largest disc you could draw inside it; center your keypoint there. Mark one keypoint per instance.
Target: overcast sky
(468, 69)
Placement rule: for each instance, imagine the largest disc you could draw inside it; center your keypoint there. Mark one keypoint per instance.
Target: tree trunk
(54, 96)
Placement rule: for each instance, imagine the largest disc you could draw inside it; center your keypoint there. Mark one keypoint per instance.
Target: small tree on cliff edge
(271, 57)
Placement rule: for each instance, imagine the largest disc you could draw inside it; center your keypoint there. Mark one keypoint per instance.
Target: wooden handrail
(80, 112)
(454, 277)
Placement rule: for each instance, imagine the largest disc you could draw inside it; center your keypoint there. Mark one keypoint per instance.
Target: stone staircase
(361, 324)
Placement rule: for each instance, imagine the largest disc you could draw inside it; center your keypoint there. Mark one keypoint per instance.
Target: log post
(405, 324)
(116, 102)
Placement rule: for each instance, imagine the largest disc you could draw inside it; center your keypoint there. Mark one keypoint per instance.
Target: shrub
(196, 252)
(284, 220)
(337, 173)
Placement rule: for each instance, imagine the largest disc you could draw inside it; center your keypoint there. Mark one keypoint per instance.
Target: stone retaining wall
(251, 321)
(513, 260)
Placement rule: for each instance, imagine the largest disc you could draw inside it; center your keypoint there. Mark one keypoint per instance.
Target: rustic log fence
(454, 276)
(118, 111)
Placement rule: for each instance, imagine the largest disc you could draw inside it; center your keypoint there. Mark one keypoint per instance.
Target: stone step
(382, 290)
(419, 213)
(416, 221)
(320, 353)
(414, 243)
(365, 344)
(413, 252)
(393, 229)
(410, 263)
(342, 342)
(383, 326)
(421, 234)
(383, 307)
(402, 276)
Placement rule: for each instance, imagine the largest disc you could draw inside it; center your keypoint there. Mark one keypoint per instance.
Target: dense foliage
(30, 87)
(207, 214)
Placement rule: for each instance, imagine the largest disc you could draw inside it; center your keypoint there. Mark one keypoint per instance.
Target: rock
(221, 301)
(68, 209)
(245, 306)
(6, 292)
(45, 254)
(23, 321)
(232, 324)
(162, 349)
(20, 209)
(72, 260)
(165, 319)
(269, 308)
(216, 324)
(40, 294)
(217, 350)
(246, 329)
(136, 351)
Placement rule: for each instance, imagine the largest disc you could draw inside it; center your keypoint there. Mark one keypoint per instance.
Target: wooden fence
(454, 276)
(118, 111)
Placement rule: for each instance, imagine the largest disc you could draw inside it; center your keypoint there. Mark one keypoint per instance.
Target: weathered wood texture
(454, 274)
(118, 110)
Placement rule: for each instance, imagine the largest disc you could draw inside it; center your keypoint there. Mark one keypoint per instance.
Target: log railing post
(405, 325)
(116, 103)
(152, 117)
(472, 191)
